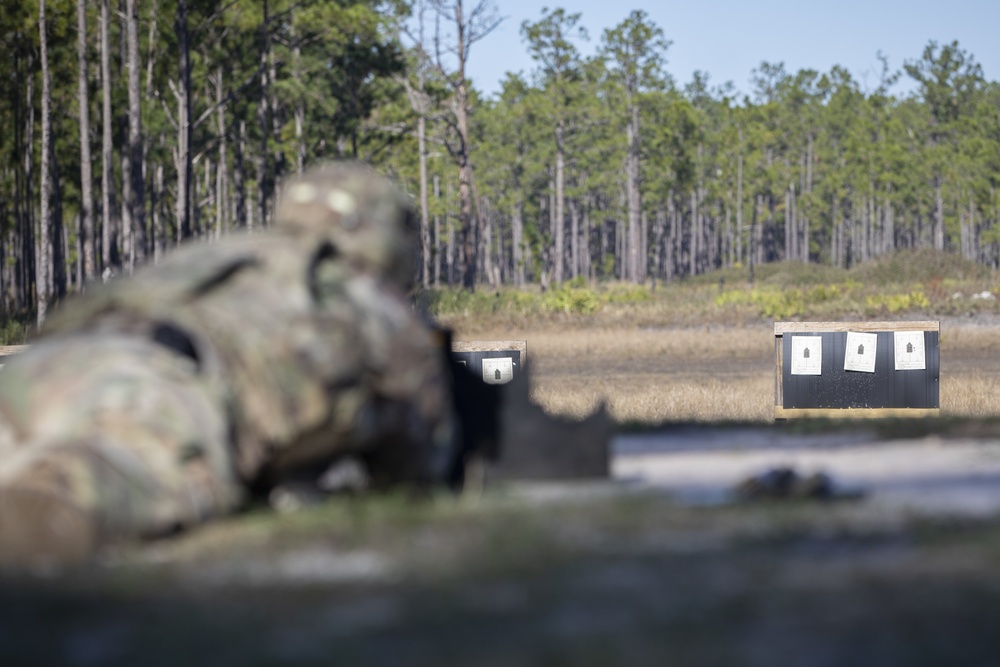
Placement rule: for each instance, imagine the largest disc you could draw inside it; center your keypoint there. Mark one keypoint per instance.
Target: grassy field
(703, 349)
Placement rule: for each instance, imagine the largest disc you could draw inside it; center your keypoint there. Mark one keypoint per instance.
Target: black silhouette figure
(497, 374)
(805, 354)
(909, 348)
(861, 349)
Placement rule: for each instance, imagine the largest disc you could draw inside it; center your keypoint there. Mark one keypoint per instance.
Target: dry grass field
(702, 349)
(712, 373)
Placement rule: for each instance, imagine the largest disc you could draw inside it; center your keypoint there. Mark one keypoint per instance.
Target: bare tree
(420, 103)
(469, 29)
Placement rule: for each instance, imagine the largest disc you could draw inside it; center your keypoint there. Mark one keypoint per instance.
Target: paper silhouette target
(807, 355)
(860, 353)
(909, 350)
(498, 371)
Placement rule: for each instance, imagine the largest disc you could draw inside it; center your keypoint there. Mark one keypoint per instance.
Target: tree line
(130, 127)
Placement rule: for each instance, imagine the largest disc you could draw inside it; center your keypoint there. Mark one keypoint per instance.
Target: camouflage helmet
(366, 217)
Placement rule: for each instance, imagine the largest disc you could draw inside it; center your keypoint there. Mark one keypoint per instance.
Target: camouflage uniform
(165, 399)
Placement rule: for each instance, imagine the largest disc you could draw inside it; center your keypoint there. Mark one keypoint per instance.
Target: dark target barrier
(493, 361)
(857, 369)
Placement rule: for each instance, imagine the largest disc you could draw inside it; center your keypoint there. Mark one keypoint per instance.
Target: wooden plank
(808, 327)
(6, 350)
(490, 345)
(779, 395)
(854, 413)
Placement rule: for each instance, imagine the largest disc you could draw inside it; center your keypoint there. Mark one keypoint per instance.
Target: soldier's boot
(45, 524)
(40, 531)
(116, 430)
(65, 503)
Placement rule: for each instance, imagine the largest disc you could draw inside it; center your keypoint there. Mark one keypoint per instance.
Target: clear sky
(729, 38)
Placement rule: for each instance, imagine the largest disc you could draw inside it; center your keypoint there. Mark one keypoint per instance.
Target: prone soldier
(169, 398)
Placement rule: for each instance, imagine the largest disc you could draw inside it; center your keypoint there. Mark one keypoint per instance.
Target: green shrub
(571, 300)
(822, 293)
(627, 293)
(897, 303)
(771, 303)
(16, 330)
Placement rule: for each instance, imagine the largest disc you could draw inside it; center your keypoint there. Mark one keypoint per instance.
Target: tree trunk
(671, 259)
(754, 245)
(222, 185)
(156, 197)
(30, 239)
(938, 214)
(487, 247)
(789, 228)
(838, 233)
(517, 240)
(450, 261)
(574, 231)
(808, 190)
(437, 232)
(636, 271)
(86, 176)
(693, 235)
(467, 223)
(20, 277)
(277, 122)
(60, 241)
(739, 200)
(110, 221)
(43, 276)
(974, 253)
(240, 178)
(425, 224)
(183, 93)
(263, 120)
(137, 198)
(559, 214)
(659, 254)
(728, 243)
(550, 208)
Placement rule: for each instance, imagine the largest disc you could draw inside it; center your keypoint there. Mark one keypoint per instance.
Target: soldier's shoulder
(193, 268)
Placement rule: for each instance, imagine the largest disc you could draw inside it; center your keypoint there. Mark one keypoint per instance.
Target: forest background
(131, 126)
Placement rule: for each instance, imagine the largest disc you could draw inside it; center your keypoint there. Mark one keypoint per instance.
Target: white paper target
(909, 350)
(807, 355)
(498, 371)
(860, 353)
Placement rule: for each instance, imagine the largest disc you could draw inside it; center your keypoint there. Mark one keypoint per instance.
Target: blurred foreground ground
(656, 567)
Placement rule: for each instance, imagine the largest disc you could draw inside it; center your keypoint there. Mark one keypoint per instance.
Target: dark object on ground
(786, 483)
(506, 436)
(535, 445)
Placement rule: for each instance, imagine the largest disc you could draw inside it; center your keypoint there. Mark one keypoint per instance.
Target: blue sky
(729, 38)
